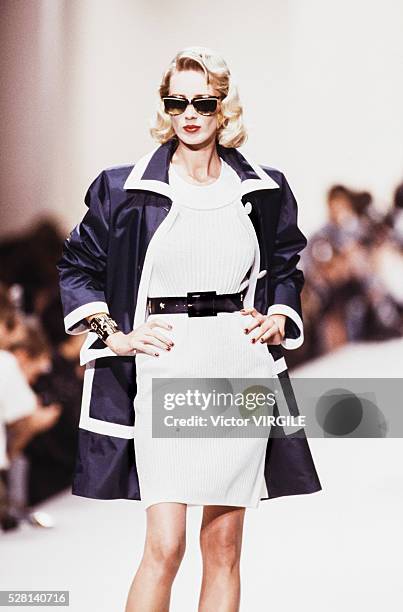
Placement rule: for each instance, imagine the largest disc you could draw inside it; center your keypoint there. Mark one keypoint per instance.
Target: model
(164, 270)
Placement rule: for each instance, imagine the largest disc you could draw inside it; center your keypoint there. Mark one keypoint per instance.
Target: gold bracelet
(103, 325)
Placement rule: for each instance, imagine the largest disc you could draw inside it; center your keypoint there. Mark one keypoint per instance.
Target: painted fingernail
(261, 340)
(246, 330)
(157, 354)
(168, 348)
(253, 341)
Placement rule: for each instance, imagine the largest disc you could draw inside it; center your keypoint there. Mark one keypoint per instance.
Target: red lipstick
(191, 128)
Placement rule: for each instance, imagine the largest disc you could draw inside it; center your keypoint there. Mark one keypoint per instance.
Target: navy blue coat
(106, 265)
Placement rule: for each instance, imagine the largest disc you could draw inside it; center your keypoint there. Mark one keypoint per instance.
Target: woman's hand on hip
(144, 339)
(271, 329)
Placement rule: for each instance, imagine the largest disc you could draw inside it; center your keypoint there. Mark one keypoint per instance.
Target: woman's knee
(165, 552)
(221, 546)
(166, 535)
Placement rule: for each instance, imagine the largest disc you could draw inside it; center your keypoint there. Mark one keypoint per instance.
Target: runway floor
(338, 549)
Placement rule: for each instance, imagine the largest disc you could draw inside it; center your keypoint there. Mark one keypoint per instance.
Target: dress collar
(223, 191)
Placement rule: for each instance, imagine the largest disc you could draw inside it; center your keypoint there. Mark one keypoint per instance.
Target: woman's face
(340, 210)
(191, 83)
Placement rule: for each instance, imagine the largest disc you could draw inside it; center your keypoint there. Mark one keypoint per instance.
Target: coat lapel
(151, 172)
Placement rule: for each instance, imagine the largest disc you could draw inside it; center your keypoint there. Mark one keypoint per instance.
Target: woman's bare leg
(164, 548)
(220, 543)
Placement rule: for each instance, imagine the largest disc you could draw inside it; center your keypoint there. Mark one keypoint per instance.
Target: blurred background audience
(353, 267)
(40, 376)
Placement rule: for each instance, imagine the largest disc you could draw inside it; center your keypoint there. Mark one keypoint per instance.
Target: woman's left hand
(271, 328)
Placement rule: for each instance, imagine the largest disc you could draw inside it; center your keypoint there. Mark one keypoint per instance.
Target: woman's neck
(200, 166)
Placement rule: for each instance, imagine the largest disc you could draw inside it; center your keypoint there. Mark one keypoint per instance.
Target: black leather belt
(197, 303)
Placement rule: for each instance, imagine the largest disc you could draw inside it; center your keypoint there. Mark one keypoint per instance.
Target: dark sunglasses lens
(174, 106)
(206, 106)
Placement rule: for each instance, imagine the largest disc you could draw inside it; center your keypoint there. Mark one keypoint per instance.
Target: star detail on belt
(162, 305)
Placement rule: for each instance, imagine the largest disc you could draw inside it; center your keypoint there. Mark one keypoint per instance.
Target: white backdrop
(320, 82)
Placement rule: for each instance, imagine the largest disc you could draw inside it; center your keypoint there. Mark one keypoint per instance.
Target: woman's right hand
(143, 339)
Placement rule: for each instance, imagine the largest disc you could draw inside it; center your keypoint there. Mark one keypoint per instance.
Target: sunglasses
(204, 105)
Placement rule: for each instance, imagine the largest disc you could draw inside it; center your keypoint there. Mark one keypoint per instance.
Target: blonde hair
(231, 131)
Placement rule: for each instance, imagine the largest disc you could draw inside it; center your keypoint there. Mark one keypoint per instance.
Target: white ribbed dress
(207, 248)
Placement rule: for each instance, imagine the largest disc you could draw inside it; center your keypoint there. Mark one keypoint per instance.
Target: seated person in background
(22, 416)
(52, 454)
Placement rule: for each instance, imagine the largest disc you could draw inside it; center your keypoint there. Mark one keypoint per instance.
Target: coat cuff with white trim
(75, 322)
(294, 328)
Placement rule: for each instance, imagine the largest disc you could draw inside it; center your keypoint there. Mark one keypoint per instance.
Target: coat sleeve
(286, 279)
(82, 266)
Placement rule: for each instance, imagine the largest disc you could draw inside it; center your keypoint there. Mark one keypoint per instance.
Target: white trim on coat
(279, 365)
(264, 493)
(76, 315)
(263, 182)
(289, 343)
(254, 273)
(88, 354)
(88, 422)
(138, 171)
(140, 315)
